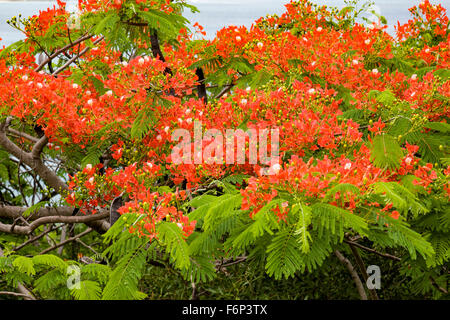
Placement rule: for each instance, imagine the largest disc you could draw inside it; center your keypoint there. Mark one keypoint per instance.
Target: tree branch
(26, 230)
(353, 273)
(30, 160)
(385, 255)
(362, 268)
(23, 135)
(38, 147)
(82, 52)
(63, 49)
(74, 238)
(225, 90)
(14, 212)
(33, 239)
(16, 294)
(437, 286)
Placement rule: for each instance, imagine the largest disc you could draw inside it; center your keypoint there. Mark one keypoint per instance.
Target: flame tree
(89, 105)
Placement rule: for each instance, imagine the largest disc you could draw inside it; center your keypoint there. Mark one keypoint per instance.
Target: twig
(87, 246)
(224, 91)
(242, 259)
(435, 284)
(68, 63)
(33, 239)
(74, 238)
(386, 255)
(57, 52)
(194, 290)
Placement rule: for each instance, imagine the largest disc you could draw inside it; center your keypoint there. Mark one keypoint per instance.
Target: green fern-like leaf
(142, 124)
(53, 279)
(402, 234)
(51, 261)
(201, 270)
(100, 272)
(172, 238)
(400, 197)
(220, 207)
(285, 255)
(86, 290)
(301, 229)
(123, 281)
(24, 264)
(343, 189)
(107, 22)
(235, 178)
(386, 152)
(336, 220)
(441, 246)
(263, 221)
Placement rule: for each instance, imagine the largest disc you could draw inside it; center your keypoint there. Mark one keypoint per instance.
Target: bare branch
(16, 294)
(386, 255)
(363, 270)
(225, 90)
(437, 286)
(354, 274)
(33, 239)
(68, 63)
(74, 238)
(54, 219)
(34, 163)
(23, 135)
(14, 212)
(63, 49)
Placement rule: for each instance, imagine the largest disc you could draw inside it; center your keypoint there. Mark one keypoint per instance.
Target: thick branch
(38, 147)
(15, 294)
(32, 160)
(201, 87)
(14, 212)
(23, 135)
(26, 230)
(156, 49)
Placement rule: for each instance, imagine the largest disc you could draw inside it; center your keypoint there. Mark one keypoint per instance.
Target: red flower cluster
(304, 75)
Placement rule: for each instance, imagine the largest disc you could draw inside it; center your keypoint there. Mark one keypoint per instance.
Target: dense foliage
(87, 177)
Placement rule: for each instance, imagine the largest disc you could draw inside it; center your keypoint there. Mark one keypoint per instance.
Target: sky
(216, 14)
